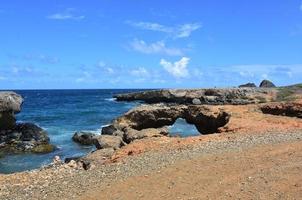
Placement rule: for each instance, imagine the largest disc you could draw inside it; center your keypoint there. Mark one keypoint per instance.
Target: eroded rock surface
(108, 141)
(85, 138)
(23, 137)
(233, 96)
(10, 104)
(291, 109)
(151, 120)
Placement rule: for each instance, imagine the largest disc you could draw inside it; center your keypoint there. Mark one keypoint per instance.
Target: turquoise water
(182, 129)
(63, 112)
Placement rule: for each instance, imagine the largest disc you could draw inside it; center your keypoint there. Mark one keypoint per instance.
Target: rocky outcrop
(151, 120)
(132, 134)
(233, 96)
(248, 85)
(290, 109)
(10, 104)
(267, 84)
(84, 138)
(108, 141)
(23, 137)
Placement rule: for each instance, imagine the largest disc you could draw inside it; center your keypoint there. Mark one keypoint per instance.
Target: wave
(110, 99)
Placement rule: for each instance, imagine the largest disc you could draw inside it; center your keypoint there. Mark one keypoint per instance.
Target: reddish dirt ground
(263, 172)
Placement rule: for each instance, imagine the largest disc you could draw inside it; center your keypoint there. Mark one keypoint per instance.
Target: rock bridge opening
(206, 120)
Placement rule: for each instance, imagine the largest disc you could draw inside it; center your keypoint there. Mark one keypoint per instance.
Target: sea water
(63, 112)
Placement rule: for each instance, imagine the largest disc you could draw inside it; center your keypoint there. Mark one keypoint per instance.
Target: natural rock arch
(207, 120)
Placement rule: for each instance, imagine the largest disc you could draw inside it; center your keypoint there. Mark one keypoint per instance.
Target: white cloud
(155, 48)
(186, 30)
(68, 14)
(140, 72)
(109, 70)
(177, 69)
(180, 31)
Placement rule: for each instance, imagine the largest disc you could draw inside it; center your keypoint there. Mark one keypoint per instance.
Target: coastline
(249, 127)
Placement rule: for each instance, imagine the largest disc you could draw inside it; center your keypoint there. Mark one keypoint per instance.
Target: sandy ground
(256, 156)
(261, 172)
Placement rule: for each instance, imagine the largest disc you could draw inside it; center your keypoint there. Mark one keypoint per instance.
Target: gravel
(67, 183)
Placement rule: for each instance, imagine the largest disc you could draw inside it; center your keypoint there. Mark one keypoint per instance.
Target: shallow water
(182, 129)
(63, 112)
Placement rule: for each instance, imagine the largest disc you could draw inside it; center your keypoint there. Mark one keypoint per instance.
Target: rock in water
(10, 104)
(267, 84)
(85, 138)
(23, 137)
(248, 85)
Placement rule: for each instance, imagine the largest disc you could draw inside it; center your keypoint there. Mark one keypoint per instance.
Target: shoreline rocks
(228, 96)
(84, 138)
(19, 137)
(152, 120)
(10, 104)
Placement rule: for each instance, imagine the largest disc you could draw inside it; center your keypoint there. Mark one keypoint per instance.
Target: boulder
(132, 134)
(267, 84)
(248, 85)
(10, 104)
(196, 101)
(108, 141)
(84, 138)
(25, 137)
(108, 130)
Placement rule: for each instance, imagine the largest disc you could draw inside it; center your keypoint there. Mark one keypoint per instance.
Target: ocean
(63, 112)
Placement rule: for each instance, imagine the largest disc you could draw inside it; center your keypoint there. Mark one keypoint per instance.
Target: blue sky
(57, 44)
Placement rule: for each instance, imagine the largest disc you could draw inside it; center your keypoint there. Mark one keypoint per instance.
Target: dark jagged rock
(85, 138)
(108, 130)
(248, 85)
(25, 137)
(290, 109)
(233, 96)
(267, 84)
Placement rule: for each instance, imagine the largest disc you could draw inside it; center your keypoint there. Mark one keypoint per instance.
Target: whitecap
(110, 99)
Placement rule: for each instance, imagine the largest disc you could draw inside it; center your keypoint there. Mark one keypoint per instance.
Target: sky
(95, 44)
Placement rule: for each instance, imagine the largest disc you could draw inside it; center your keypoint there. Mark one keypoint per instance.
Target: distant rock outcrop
(248, 85)
(267, 84)
(22, 137)
(233, 96)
